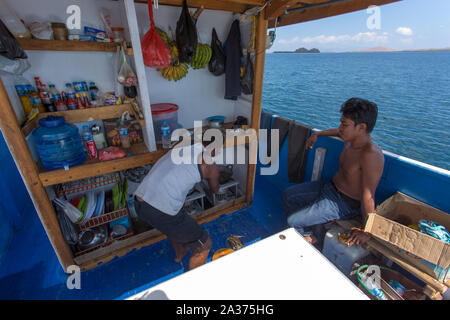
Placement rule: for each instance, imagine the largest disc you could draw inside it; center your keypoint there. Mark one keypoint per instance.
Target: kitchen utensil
(215, 121)
(118, 230)
(92, 237)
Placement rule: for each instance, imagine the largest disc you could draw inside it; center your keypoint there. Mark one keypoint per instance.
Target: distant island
(300, 50)
(384, 49)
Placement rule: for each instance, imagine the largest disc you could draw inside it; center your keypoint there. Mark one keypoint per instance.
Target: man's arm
(372, 164)
(313, 138)
(212, 176)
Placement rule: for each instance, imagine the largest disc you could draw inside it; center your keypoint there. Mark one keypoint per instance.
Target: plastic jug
(58, 143)
(341, 255)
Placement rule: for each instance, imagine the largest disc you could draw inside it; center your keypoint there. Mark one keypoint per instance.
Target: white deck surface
(276, 269)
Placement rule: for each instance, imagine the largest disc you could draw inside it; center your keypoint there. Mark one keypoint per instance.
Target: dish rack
(71, 189)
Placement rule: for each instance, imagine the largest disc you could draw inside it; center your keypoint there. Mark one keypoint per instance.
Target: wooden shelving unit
(68, 45)
(37, 178)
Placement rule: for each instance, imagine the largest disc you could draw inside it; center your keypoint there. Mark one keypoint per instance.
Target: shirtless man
(352, 189)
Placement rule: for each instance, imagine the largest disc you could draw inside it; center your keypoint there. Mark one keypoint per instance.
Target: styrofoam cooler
(341, 255)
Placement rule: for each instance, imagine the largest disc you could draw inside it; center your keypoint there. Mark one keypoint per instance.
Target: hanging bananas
(202, 56)
(176, 70)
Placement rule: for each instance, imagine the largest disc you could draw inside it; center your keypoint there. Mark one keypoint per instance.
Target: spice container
(118, 34)
(60, 31)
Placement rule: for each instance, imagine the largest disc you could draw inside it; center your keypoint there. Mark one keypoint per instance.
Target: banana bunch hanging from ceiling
(203, 54)
(176, 70)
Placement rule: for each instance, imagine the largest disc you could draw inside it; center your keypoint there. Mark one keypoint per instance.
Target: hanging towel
(266, 120)
(282, 125)
(297, 153)
(233, 62)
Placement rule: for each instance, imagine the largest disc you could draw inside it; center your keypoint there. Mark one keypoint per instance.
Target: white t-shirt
(167, 184)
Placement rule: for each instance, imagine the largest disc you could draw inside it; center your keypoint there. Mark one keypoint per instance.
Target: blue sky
(403, 25)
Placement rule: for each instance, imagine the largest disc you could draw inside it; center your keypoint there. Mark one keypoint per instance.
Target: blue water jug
(58, 143)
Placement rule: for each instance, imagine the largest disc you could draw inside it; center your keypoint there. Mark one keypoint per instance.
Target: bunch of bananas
(202, 56)
(176, 70)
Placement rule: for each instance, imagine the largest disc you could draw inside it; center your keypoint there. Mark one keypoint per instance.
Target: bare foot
(311, 239)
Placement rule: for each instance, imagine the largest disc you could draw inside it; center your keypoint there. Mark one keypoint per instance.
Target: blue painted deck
(29, 268)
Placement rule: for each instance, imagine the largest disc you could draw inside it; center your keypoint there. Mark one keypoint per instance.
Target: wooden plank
(29, 172)
(391, 255)
(326, 11)
(261, 33)
(67, 45)
(277, 7)
(224, 5)
(143, 94)
(91, 168)
(29, 126)
(90, 114)
(120, 248)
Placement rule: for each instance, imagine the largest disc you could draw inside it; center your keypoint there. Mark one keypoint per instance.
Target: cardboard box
(390, 224)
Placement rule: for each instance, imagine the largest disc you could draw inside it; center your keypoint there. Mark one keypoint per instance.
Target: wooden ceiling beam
(277, 7)
(326, 11)
(236, 6)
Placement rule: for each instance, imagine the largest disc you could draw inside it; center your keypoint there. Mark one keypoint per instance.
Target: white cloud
(404, 31)
(333, 39)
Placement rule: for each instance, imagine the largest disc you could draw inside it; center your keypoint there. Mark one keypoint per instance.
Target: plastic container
(58, 143)
(341, 255)
(164, 112)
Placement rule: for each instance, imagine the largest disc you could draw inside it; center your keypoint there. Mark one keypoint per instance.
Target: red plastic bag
(111, 153)
(154, 50)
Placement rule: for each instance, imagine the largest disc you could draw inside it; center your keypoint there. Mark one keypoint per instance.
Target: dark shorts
(180, 228)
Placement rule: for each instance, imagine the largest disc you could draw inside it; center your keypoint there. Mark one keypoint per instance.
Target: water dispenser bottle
(58, 143)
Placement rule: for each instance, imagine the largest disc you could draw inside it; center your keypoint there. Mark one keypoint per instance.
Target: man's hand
(311, 141)
(358, 236)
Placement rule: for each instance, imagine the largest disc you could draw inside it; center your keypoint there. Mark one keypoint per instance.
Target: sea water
(411, 89)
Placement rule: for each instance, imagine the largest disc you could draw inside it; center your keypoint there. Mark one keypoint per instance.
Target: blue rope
(435, 230)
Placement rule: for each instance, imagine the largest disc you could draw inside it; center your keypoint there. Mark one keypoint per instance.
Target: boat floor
(30, 268)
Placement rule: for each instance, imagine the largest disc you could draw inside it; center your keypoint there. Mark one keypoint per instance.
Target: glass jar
(118, 34)
(60, 31)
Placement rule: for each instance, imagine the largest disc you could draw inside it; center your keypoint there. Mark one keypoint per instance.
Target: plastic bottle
(93, 90)
(372, 287)
(71, 103)
(85, 100)
(36, 101)
(22, 88)
(89, 143)
(80, 104)
(165, 131)
(70, 92)
(99, 137)
(46, 99)
(124, 138)
(54, 93)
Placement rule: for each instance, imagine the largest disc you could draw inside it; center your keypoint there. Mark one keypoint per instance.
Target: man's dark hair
(360, 111)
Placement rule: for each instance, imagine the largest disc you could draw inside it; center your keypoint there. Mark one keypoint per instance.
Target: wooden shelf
(68, 45)
(91, 168)
(83, 115)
